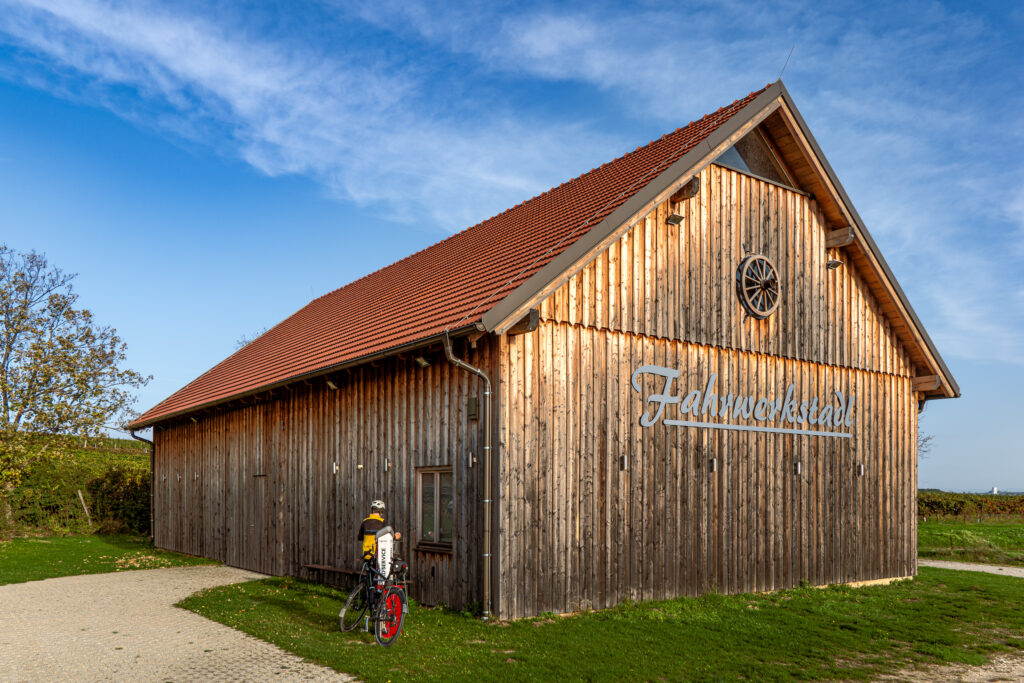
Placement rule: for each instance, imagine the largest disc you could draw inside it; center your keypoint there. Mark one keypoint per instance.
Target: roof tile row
(447, 285)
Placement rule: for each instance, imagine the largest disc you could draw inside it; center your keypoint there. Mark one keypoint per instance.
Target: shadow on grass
(803, 633)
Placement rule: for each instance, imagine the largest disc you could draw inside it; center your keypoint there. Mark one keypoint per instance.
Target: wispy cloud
(365, 130)
(923, 133)
(930, 152)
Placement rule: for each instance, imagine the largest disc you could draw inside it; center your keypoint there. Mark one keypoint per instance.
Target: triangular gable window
(752, 155)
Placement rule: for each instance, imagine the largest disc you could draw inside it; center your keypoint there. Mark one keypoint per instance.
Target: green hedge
(943, 504)
(113, 477)
(120, 500)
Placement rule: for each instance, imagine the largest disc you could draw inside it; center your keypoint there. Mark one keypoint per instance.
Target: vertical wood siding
(254, 486)
(578, 532)
(678, 281)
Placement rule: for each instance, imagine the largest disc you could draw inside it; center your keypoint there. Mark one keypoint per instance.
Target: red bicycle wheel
(392, 617)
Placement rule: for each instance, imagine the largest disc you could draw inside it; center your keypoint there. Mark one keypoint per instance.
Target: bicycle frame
(377, 584)
(382, 582)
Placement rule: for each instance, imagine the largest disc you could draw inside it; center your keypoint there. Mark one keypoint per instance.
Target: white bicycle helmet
(377, 505)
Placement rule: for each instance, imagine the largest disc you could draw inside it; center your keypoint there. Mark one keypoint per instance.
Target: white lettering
(691, 404)
(825, 417)
(662, 399)
(761, 410)
(710, 396)
(787, 408)
(743, 407)
(837, 418)
(789, 405)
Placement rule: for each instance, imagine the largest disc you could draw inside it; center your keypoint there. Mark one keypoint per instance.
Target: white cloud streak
(933, 161)
(931, 154)
(359, 129)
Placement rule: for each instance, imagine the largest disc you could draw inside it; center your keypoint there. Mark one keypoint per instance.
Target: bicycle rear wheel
(355, 607)
(391, 617)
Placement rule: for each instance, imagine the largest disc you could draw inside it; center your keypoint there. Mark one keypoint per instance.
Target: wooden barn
(687, 370)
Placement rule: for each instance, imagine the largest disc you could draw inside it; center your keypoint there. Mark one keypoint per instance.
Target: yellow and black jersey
(368, 534)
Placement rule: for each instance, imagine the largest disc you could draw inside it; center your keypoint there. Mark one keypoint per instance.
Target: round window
(757, 285)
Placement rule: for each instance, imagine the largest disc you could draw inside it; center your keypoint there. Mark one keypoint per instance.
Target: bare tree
(924, 441)
(247, 339)
(60, 373)
(924, 444)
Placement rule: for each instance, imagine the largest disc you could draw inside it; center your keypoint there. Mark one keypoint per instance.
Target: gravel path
(1001, 668)
(123, 626)
(974, 567)
(1009, 667)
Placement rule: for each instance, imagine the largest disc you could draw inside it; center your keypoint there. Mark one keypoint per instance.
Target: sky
(208, 168)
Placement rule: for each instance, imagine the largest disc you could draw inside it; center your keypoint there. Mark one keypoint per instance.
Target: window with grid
(436, 503)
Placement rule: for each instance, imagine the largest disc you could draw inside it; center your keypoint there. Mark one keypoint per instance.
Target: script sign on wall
(788, 414)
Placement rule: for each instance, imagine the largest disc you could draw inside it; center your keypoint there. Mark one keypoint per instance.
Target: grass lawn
(805, 633)
(992, 541)
(29, 559)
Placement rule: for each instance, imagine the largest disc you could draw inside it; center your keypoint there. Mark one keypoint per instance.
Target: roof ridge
(536, 196)
(454, 280)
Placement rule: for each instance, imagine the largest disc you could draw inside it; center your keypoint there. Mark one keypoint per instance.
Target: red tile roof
(446, 286)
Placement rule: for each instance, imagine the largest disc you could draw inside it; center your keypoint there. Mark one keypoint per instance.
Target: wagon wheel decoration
(757, 286)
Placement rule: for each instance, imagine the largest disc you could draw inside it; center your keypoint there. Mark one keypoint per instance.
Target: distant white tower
(995, 490)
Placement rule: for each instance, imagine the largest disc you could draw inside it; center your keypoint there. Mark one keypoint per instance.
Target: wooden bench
(336, 570)
(339, 570)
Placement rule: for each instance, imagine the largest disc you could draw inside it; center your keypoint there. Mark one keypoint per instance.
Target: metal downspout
(152, 481)
(487, 468)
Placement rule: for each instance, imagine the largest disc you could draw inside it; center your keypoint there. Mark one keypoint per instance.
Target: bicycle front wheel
(355, 607)
(391, 617)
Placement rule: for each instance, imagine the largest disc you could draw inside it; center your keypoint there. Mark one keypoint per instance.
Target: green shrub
(120, 500)
(945, 504)
(46, 501)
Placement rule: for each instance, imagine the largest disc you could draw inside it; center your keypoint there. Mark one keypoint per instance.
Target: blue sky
(207, 171)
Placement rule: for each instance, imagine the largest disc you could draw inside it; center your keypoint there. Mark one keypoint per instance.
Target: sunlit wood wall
(578, 531)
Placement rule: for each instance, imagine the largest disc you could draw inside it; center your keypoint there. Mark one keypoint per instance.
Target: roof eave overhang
(949, 387)
(361, 360)
(513, 307)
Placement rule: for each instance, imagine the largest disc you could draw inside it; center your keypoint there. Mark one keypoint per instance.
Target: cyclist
(380, 590)
(373, 523)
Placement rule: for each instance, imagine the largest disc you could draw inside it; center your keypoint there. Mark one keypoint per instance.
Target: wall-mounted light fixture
(798, 468)
(422, 362)
(331, 384)
(860, 469)
(713, 465)
(833, 264)
(674, 219)
(623, 462)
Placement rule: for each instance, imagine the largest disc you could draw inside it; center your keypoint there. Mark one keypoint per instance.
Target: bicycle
(380, 590)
